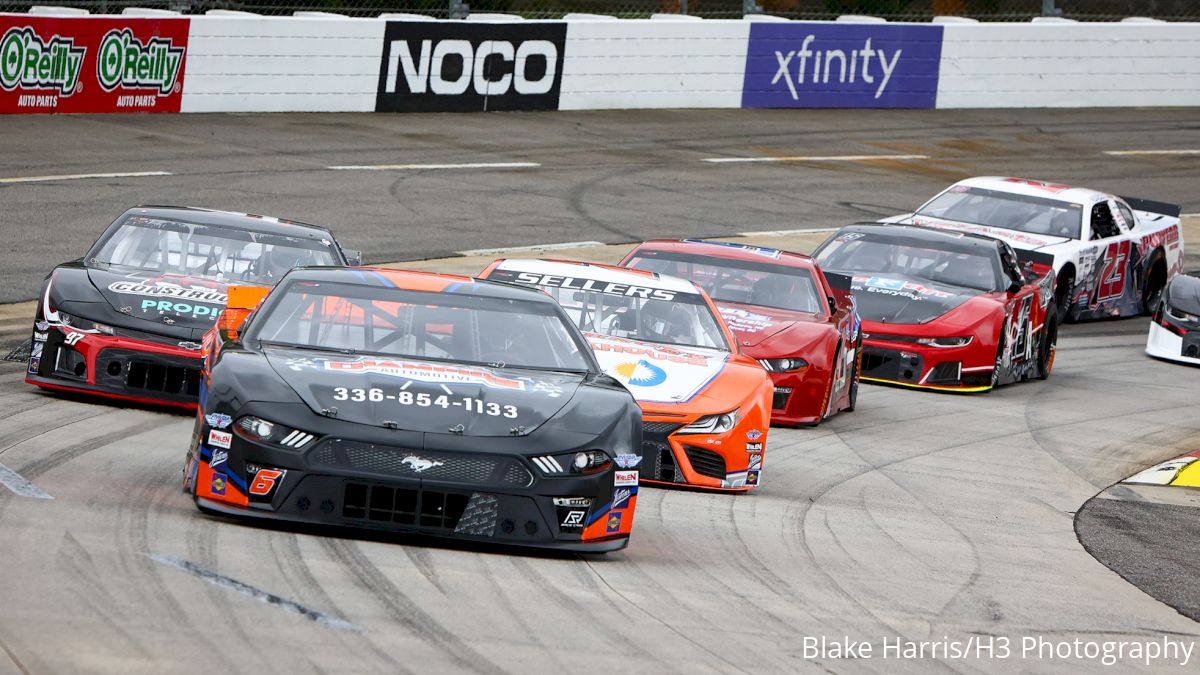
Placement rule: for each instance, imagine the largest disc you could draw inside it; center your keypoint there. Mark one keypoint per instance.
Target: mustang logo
(420, 464)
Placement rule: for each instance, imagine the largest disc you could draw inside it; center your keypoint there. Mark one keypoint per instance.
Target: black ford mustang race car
(126, 319)
(414, 402)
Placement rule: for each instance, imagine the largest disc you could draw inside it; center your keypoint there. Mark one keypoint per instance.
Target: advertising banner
(91, 65)
(460, 67)
(842, 65)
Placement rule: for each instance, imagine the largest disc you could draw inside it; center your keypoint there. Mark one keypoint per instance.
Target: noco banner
(842, 65)
(461, 67)
(90, 65)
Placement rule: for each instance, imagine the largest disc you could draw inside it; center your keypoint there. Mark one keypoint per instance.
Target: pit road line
(420, 167)
(809, 158)
(81, 176)
(1131, 153)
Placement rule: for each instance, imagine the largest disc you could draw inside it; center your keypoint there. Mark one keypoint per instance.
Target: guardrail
(145, 60)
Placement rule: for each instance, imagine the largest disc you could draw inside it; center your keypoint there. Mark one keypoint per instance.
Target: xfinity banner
(842, 65)
(462, 67)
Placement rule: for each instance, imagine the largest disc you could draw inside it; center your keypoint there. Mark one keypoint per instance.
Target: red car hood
(754, 325)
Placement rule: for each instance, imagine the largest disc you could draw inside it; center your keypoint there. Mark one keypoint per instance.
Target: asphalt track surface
(917, 516)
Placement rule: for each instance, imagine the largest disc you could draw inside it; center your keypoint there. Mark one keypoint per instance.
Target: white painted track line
(526, 249)
(81, 176)
(421, 167)
(20, 485)
(810, 158)
(1125, 153)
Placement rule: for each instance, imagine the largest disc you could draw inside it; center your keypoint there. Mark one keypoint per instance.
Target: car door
(1110, 231)
(1020, 348)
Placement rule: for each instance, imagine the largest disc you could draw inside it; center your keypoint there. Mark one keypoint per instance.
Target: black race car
(126, 319)
(1175, 322)
(414, 402)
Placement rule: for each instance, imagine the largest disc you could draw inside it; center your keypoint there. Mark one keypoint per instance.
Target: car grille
(706, 462)
(163, 378)
(780, 399)
(431, 509)
(659, 460)
(468, 469)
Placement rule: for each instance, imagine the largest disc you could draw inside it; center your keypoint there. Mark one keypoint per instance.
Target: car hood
(753, 325)
(1183, 293)
(658, 373)
(1015, 238)
(164, 299)
(482, 401)
(894, 298)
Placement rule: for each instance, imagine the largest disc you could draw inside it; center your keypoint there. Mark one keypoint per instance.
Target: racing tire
(1155, 285)
(1062, 295)
(999, 363)
(1047, 349)
(853, 399)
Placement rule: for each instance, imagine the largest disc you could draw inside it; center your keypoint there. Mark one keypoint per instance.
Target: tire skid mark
(403, 610)
(82, 571)
(43, 429)
(517, 615)
(13, 657)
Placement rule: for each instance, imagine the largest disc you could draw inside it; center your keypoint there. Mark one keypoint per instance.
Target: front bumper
(800, 398)
(960, 369)
(1173, 344)
(728, 461)
(499, 499)
(114, 366)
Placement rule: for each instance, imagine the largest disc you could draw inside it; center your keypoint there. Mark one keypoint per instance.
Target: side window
(1127, 215)
(1103, 223)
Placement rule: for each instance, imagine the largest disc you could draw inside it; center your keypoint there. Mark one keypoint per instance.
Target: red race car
(946, 310)
(785, 313)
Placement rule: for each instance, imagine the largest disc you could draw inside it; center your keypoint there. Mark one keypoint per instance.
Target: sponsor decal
(425, 372)
(40, 336)
(625, 478)
(35, 350)
(752, 477)
(627, 461)
(641, 374)
(196, 311)
(742, 321)
(218, 484)
(220, 439)
(42, 326)
(35, 362)
(754, 434)
(593, 285)
(621, 496)
(1053, 188)
(614, 522)
(167, 289)
(757, 250)
(755, 461)
(897, 287)
(754, 447)
(191, 346)
(218, 420)
(574, 518)
(841, 65)
(419, 464)
(582, 502)
(460, 67)
(1013, 237)
(218, 458)
(93, 64)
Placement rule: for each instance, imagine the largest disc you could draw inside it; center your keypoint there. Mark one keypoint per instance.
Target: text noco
(820, 63)
(424, 71)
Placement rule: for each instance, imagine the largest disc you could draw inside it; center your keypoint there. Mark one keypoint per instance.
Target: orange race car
(706, 406)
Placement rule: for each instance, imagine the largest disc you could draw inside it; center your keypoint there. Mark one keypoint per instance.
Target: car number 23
(423, 400)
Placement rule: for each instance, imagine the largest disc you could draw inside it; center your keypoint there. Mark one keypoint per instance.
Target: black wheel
(999, 361)
(854, 376)
(1155, 284)
(1047, 348)
(1062, 295)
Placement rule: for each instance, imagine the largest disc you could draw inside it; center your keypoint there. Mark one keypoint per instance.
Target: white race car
(1175, 324)
(1112, 255)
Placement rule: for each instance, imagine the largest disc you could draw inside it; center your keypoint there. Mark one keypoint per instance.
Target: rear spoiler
(837, 281)
(1151, 206)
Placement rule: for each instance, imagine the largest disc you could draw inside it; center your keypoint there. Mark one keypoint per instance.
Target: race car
(783, 311)
(946, 310)
(125, 321)
(1175, 324)
(413, 402)
(1112, 255)
(706, 407)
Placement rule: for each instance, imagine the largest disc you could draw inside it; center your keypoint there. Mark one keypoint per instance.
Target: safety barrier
(153, 61)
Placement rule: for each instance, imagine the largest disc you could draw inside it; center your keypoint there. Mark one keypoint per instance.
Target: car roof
(411, 280)
(243, 221)
(920, 234)
(1036, 188)
(599, 272)
(729, 250)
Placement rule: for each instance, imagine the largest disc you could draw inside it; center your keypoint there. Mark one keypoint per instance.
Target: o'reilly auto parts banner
(462, 67)
(90, 65)
(842, 65)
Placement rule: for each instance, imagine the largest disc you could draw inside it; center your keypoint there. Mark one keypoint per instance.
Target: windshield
(992, 208)
(966, 265)
(629, 311)
(444, 327)
(209, 252)
(740, 281)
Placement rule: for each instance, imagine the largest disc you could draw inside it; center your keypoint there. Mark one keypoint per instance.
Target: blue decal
(842, 65)
(767, 252)
(218, 484)
(218, 420)
(614, 522)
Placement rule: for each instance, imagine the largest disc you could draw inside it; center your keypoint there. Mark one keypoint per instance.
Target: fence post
(751, 7)
(683, 6)
(458, 9)
(1048, 8)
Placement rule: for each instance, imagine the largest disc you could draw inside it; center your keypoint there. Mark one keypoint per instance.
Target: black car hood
(893, 298)
(177, 301)
(457, 393)
(1183, 294)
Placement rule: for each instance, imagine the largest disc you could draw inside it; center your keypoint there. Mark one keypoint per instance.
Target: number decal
(73, 338)
(264, 481)
(510, 411)
(340, 394)
(425, 400)
(1111, 283)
